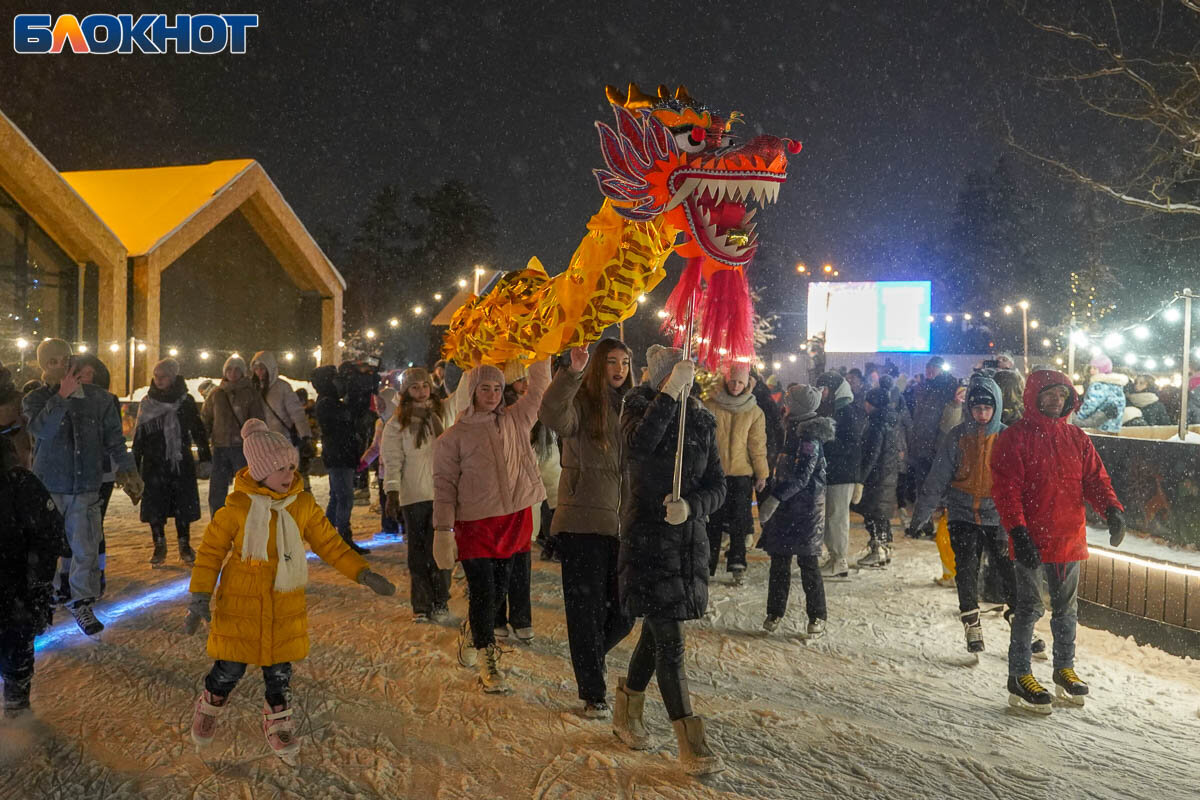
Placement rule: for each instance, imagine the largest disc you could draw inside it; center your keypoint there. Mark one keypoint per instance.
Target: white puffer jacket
(408, 469)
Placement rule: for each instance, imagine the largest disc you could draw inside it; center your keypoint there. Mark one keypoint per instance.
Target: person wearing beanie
(793, 515)
(407, 455)
(74, 426)
(516, 378)
(961, 482)
(1103, 405)
(254, 551)
(742, 443)
(583, 406)
(843, 467)
(226, 409)
(880, 472)
(168, 422)
(936, 406)
(485, 483)
(663, 562)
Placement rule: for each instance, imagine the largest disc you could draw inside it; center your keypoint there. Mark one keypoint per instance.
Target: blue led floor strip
(68, 632)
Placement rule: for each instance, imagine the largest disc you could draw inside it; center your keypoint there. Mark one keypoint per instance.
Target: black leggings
(16, 667)
(968, 541)
(659, 652)
(225, 675)
(429, 586)
(487, 589)
(779, 586)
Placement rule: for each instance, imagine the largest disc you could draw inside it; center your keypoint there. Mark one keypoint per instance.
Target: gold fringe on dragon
(672, 167)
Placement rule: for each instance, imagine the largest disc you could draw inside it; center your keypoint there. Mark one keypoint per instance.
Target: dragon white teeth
(749, 228)
(749, 216)
(686, 189)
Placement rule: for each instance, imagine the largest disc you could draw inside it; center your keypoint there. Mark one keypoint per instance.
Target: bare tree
(1134, 64)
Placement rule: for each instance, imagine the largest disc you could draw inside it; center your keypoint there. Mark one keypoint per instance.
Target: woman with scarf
(485, 483)
(407, 454)
(583, 406)
(168, 422)
(742, 442)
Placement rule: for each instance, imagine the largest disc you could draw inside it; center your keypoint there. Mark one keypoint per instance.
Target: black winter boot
(160, 547)
(186, 554)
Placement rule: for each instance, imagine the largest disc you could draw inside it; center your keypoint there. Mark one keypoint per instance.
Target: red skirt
(494, 537)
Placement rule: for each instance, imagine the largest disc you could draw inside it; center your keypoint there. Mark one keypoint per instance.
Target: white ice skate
(280, 731)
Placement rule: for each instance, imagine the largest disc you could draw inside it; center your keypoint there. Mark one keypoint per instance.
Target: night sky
(895, 103)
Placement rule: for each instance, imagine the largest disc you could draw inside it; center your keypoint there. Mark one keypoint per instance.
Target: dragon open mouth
(716, 206)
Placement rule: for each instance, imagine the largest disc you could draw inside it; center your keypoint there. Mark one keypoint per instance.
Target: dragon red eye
(698, 134)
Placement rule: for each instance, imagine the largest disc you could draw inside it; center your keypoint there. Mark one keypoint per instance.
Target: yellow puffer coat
(252, 623)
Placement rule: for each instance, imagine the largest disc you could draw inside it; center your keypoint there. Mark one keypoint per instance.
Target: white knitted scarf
(292, 570)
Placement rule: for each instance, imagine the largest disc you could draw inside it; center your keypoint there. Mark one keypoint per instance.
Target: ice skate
(1025, 693)
(737, 576)
(209, 709)
(815, 629)
(466, 650)
(1068, 687)
(439, 614)
(420, 619)
(973, 629)
(86, 620)
(186, 554)
(280, 730)
(696, 757)
(597, 710)
(876, 557)
(627, 717)
(490, 678)
(836, 568)
(524, 634)
(770, 624)
(160, 551)
(500, 632)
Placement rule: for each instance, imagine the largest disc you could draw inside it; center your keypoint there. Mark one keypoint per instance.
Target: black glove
(307, 449)
(1116, 526)
(1026, 551)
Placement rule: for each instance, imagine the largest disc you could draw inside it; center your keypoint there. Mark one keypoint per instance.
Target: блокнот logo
(101, 34)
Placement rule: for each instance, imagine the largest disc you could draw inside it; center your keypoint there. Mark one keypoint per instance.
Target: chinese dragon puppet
(676, 179)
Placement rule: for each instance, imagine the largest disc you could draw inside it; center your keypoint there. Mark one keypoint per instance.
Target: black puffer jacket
(880, 464)
(772, 418)
(31, 540)
(663, 569)
(798, 525)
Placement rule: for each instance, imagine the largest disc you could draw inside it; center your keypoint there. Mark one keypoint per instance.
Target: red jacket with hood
(1043, 469)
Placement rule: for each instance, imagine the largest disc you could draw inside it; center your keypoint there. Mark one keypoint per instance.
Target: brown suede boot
(627, 717)
(694, 753)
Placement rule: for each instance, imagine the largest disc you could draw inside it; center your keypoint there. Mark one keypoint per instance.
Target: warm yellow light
(1008, 309)
(141, 348)
(792, 358)
(462, 283)
(967, 317)
(82, 348)
(203, 354)
(1033, 323)
(22, 343)
(370, 333)
(801, 268)
(1024, 304)
(437, 296)
(418, 310)
(829, 268)
(662, 313)
(289, 356)
(642, 298)
(393, 322)
(174, 351)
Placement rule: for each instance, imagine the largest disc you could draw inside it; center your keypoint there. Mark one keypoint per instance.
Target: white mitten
(677, 510)
(445, 551)
(680, 379)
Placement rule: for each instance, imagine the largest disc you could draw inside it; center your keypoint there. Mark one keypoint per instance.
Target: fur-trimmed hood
(816, 428)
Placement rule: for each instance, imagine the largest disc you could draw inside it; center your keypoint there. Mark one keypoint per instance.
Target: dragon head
(670, 156)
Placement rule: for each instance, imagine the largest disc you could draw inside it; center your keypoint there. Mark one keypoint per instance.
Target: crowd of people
(569, 454)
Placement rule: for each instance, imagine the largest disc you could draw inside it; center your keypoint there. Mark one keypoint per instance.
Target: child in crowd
(485, 482)
(260, 615)
(798, 528)
(31, 540)
(407, 453)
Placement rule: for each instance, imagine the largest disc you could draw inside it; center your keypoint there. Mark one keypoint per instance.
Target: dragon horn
(615, 96)
(639, 99)
(663, 92)
(681, 94)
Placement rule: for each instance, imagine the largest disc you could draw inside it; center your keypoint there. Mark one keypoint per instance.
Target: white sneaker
(524, 634)
(500, 633)
(836, 569)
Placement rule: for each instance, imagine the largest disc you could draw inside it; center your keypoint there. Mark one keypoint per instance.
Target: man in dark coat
(880, 470)
(936, 408)
(843, 458)
(341, 447)
(774, 424)
(32, 538)
(663, 563)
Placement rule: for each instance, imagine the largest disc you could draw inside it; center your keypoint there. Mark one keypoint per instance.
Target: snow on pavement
(883, 706)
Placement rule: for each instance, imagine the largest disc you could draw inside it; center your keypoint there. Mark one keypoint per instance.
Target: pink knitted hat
(265, 450)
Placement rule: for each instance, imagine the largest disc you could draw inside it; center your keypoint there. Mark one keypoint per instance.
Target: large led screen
(871, 317)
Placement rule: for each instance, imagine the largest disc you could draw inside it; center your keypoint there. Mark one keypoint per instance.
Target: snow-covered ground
(882, 707)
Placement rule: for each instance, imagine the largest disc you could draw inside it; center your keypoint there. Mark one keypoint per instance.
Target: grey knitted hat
(660, 361)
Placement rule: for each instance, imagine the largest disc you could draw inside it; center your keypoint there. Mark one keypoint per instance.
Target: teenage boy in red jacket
(1042, 469)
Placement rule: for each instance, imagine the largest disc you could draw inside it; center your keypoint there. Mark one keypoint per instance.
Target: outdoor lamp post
(1187, 296)
(1024, 304)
